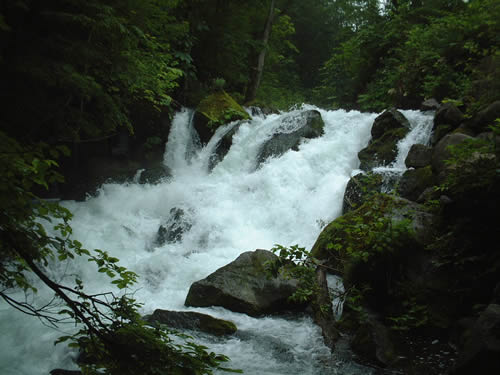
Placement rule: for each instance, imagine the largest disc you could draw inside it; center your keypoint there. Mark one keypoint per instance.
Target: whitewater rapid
(236, 207)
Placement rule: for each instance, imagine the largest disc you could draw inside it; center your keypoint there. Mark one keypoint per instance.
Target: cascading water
(236, 207)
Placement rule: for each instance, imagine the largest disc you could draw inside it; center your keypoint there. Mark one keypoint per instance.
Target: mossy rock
(193, 321)
(359, 189)
(382, 151)
(377, 239)
(215, 110)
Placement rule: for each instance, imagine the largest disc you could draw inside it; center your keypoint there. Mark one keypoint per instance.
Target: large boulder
(419, 156)
(481, 350)
(414, 182)
(387, 130)
(447, 118)
(430, 105)
(244, 286)
(193, 321)
(380, 237)
(359, 189)
(307, 124)
(216, 110)
(390, 119)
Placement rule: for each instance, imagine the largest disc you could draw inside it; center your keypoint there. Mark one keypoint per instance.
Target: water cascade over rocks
(241, 203)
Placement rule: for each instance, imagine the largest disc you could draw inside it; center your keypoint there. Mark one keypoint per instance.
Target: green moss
(220, 108)
(383, 150)
(217, 327)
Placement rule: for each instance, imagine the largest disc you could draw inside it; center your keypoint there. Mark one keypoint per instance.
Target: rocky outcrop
(244, 286)
(192, 321)
(223, 146)
(387, 130)
(306, 125)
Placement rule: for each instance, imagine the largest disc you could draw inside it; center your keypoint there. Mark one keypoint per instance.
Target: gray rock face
(243, 286)
(389, 120)
(448, 114)
(193, 321)
(430, 105)
(309, 125)
(419, 156)
(481, 351)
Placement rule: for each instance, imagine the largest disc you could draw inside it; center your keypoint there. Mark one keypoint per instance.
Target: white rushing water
(232, 209)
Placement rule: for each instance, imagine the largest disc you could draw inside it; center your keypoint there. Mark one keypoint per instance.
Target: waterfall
(235, 207)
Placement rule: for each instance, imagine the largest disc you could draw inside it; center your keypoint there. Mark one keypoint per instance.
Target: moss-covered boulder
(359, 189)
(193, 321)
(379, 238)
(216, 110)
(447, 118)
(295, 128)
(441, 153)
(244, 286)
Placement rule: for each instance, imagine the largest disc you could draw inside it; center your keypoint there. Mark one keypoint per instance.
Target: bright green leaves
(108, 265)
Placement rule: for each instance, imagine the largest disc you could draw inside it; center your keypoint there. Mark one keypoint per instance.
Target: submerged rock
(243, 286)
(192, 321)
(308, 124)
(175, 227)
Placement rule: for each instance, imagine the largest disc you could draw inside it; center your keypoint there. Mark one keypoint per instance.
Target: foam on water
(234, 208)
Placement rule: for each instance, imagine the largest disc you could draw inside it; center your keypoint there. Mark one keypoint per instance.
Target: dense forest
(74, 72)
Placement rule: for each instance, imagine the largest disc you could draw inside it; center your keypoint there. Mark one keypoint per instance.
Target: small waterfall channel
(233, 208)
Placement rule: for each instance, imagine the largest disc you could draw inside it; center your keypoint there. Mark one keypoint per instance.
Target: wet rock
(175, 227)
(359, 189)
(448, 114)
(192, 321)
(389, 120)
(430, 105)
(65, 372)
(308, 124)
(419, 156)
(382, 151)
(223, 147)
(481, 351)
(243, 286)
(154, 175)
(414, 182)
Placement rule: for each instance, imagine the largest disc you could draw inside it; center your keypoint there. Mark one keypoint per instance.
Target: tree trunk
(256, 74)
